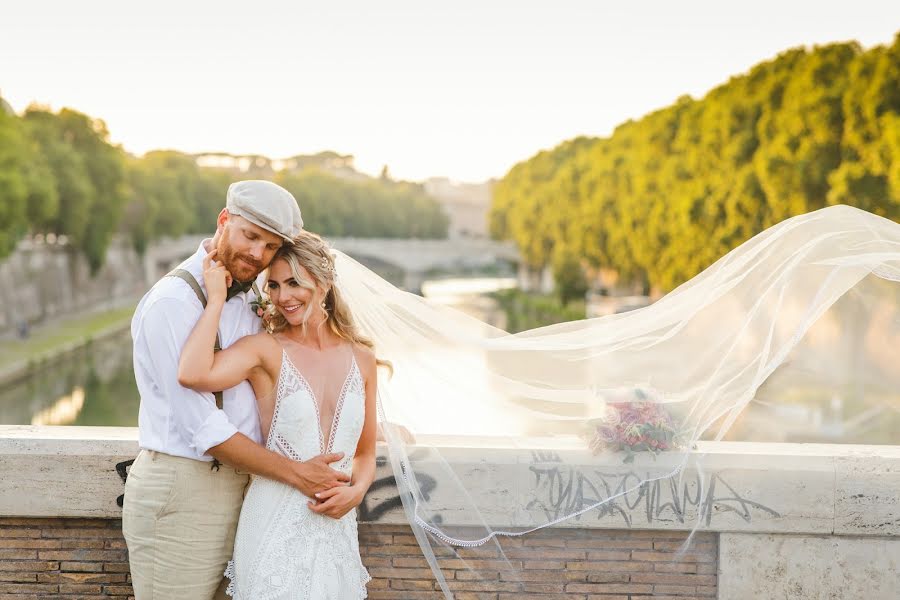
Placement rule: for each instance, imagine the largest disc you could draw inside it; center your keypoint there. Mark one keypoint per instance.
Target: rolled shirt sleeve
(159, 339)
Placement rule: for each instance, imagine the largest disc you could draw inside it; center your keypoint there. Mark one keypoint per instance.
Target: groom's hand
(314, 475)
(309, 477)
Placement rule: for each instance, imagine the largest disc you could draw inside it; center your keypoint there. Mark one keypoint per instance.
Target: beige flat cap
(265, 204)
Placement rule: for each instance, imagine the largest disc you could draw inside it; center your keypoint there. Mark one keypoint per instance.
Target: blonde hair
(311, 252)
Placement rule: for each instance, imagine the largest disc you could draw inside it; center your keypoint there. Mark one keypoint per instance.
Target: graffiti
(371, 511)
(563, 490)
(368, 510)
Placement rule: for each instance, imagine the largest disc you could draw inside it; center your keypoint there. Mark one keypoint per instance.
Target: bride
(314, 377)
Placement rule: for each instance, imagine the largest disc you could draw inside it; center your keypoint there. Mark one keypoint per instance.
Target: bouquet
(633, 427)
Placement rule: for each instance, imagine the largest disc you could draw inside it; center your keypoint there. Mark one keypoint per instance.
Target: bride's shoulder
(365, 358)
(269, 351)
(263, 344)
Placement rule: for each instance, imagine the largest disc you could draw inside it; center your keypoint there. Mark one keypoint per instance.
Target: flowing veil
(810, 306)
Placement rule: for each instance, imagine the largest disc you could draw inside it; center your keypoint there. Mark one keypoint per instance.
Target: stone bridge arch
(406, 262)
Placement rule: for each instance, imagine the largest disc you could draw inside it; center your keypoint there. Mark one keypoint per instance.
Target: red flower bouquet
(633, 427)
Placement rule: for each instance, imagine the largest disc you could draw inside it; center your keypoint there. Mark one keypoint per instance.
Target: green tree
(14, 182)
(88, 179)
(666, 195)
(337, 206)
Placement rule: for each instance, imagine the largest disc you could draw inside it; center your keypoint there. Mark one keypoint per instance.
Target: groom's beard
(243, 268)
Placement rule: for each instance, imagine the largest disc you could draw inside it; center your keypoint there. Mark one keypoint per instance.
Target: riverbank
(47, 342)
(526, 310)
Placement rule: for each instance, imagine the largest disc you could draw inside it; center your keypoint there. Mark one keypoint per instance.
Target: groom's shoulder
(169, 294)
(173, 288)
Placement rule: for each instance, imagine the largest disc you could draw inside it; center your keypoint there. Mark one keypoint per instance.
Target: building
(339, 165)
(467, 205)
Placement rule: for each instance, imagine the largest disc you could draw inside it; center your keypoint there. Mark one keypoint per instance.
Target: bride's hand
(337, 501)
(216, 277)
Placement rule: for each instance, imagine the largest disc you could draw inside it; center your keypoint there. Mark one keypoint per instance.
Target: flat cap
(265, 204)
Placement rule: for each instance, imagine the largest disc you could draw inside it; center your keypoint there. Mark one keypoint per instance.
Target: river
(95, 386)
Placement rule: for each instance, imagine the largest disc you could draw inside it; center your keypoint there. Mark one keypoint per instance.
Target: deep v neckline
(338, 407)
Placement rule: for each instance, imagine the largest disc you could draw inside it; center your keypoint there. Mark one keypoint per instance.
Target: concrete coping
(734, 486)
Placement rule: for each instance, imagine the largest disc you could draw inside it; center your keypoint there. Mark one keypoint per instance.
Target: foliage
(14, 188)
(526, 311)
(82, 189)
(341, 207)
(665, 196)
(60, 174)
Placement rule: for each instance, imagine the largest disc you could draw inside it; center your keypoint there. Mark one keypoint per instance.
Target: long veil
(810, 306)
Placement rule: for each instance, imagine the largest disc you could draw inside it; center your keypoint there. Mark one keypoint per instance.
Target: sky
(463, 89)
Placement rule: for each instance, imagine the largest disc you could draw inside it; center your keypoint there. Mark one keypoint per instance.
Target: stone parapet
(736, 487)
(780, 520)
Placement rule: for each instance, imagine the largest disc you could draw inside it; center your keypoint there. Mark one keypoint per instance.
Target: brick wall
(86, 558)
(62, 558)
(570, 564)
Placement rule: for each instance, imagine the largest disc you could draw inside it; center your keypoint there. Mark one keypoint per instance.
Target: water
(92, 386)
(95, 386)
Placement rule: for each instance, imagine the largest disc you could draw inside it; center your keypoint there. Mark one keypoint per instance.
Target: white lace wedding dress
(283, 550)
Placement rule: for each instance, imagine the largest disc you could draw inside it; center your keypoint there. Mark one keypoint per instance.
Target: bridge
(413, 259)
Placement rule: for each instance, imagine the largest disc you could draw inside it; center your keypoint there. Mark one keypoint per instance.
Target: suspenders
(188, 278)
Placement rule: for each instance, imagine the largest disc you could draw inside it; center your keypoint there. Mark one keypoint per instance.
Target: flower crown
(329, 266)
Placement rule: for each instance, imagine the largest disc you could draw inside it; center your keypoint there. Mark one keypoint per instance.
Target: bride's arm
(338, 501)
(199, 367)
(364, 460)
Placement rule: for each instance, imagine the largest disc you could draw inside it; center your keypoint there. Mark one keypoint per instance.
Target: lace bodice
(283, 550)
(296, 429)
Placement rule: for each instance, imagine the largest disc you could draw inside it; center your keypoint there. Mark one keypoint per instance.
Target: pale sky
(458, 88)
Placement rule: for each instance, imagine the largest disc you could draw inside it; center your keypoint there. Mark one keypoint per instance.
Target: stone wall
(804, 566)
(87, 558)
(43, 281)
(777, 521)
(51, 280)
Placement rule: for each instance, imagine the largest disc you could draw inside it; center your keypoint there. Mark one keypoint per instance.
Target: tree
(335, 206)
(14, 182)
(88, 179)
(665, 196)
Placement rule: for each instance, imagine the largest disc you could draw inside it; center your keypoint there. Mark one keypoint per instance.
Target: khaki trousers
(179, 521)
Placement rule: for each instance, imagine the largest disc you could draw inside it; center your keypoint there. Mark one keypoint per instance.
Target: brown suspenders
(188, 278)
(191, 281)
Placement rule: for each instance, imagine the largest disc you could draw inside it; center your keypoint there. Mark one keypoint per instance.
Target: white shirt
(174, 419)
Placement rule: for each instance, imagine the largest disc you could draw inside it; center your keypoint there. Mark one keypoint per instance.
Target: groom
(184, 491)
